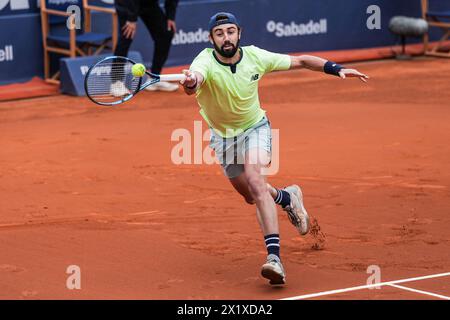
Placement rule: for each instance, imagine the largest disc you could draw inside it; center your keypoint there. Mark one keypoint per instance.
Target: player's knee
(250, 200)
(257, 186)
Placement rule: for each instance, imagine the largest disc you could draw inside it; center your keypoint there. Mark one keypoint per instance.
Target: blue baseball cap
(222, 18)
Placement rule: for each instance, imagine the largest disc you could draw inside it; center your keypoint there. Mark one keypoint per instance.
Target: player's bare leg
(296, 211)
(255, 160)
(240, 183)
(252, 185)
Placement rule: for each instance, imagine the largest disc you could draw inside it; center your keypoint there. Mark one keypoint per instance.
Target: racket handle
(172, 77)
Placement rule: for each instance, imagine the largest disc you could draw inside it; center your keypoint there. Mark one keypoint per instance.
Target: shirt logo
(254, 77)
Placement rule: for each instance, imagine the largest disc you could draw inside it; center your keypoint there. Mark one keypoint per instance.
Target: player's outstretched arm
(192, 81)
(319, 64)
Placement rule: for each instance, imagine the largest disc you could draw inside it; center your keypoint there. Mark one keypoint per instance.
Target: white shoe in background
(118, 89)
(163, 86)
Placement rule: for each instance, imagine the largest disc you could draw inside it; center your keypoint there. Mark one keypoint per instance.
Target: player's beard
(229, 53)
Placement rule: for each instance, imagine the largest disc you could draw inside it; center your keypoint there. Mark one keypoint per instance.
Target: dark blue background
(346, 28)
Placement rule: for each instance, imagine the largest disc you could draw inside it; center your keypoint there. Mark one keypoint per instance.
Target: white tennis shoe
(296, 210)
(118, 89)
(273, 270)
(163, 86)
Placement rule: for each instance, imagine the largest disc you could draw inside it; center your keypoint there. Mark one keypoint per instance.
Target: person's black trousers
(156, 22)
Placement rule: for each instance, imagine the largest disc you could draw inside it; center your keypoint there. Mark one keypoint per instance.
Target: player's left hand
(352, 73)
(171, 26)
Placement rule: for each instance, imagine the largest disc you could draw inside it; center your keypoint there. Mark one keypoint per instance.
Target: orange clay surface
(95, 187)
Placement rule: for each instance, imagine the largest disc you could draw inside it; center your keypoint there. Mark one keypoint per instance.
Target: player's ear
(210, 38)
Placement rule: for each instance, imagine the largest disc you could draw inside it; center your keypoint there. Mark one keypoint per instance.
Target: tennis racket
(110, 81)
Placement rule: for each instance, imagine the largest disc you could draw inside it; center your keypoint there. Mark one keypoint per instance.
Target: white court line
(368, 286)
(420, 291)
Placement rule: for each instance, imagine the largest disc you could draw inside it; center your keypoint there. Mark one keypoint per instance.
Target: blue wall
(341, 24)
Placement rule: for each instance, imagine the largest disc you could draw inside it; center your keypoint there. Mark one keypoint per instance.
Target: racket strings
(112, 81)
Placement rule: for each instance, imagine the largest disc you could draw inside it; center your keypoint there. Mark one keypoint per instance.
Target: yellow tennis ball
(138, 70)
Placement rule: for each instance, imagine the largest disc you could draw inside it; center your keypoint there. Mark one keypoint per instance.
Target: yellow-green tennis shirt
(228, 97)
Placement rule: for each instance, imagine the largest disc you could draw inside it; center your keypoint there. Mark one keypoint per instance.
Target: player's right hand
(190, 79)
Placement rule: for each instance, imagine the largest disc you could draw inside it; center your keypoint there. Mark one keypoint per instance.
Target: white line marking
(420, 291)
(368, 286)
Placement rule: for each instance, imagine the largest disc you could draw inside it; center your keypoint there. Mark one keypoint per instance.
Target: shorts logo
(254, 77)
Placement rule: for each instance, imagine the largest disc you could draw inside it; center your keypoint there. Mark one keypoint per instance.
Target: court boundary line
(419, 291)
(367, 286)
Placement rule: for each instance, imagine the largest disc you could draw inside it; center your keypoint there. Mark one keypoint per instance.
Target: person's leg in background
(118, 87)
(156, 22)
(123, 43)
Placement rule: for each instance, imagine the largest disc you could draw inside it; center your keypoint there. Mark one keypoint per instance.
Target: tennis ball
(138, 70)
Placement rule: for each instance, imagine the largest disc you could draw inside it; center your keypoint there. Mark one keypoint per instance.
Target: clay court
(95, 187)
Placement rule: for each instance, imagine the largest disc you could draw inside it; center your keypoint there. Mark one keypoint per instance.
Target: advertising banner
(281, 26)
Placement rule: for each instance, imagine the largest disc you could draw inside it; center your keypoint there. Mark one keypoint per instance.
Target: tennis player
(225, 80)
